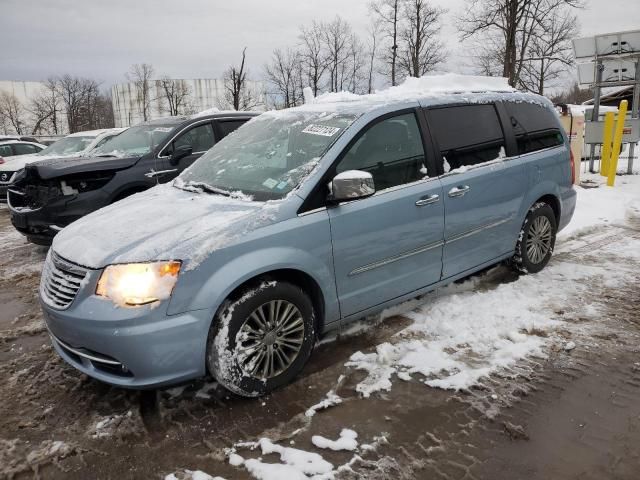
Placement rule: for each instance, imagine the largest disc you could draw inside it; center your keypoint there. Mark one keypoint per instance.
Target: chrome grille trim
(83, 354)
(60, 282)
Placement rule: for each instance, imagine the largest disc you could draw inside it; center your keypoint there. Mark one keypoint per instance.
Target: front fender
(210, 293)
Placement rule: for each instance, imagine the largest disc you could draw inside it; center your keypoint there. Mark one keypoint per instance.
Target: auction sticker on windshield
(270, 183)
(323, 130)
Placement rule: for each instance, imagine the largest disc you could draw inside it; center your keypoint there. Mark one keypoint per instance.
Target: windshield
(67, 146)
(135, 141)
(268, 156)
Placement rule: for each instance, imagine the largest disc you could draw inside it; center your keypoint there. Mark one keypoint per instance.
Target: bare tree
(79, 96)
(313, 55)
(356, 75)
(141, 75)
(46, 108)
(421, 50)
(515, 21)
(284, 75)
(12, 112)
(176, 93)
(237, 92)
(387, 12)
(374, 31)
(550, 52)
(338, 42)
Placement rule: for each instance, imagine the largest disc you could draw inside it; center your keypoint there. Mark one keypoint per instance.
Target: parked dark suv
(49, 195)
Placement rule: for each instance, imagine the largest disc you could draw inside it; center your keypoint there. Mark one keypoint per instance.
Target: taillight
(1, 160)
(572, 164)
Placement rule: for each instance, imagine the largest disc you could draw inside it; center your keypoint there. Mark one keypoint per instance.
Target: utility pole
(596, 111)
(634, 114)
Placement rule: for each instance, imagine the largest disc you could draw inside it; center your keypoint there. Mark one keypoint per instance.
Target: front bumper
(152, 350)
(42, 224)
(140, 347)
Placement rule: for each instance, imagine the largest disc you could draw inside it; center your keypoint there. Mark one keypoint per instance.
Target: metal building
(201, 94)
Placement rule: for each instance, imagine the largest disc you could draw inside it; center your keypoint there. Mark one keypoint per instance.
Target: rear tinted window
(25, 148)
(5, 151)
(467, 135)
(229, 126)
(535, 126)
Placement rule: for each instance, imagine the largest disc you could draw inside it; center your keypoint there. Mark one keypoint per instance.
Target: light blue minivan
(299, 221)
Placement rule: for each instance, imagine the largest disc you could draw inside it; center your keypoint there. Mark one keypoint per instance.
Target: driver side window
(391, 150)
(199, 138)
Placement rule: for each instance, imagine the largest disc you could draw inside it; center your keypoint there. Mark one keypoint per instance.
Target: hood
(17, 162)
(163, 223)
(60, 166)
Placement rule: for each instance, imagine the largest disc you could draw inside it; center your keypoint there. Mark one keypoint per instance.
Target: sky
(200, 38)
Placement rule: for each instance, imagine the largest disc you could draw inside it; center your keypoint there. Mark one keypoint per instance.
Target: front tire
(536, 240)
(263, 339)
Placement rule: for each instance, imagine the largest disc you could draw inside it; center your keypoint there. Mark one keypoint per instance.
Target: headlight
(138, 283)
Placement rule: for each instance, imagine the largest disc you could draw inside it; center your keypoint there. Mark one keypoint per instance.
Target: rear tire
(262, 340)
(537, 239)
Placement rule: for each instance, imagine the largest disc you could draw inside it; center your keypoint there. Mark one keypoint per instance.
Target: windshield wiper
(205, 187)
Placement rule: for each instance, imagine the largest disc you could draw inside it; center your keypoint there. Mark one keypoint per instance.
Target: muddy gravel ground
(571, 413)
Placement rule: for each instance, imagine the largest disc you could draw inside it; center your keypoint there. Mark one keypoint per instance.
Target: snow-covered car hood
(17, 162)
(163, 223)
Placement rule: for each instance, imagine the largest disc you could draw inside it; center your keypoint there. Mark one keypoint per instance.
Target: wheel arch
(294, 276)
(553, 202)
(547, 192)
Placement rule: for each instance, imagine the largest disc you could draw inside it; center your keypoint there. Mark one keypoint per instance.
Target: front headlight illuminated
(136, 284)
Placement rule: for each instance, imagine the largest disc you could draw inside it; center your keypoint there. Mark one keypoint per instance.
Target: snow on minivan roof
(439, 88)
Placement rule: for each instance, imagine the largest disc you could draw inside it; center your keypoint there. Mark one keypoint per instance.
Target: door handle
(459, 191)
(427, 200)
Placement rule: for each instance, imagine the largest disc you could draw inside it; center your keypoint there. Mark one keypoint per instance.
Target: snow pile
(346, 441)
(296, 464)
(428, 85)
(191, 475)
(331, 400)
(118, 426)
(299, 464)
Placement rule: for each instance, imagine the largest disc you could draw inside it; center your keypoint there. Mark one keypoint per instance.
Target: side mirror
(179, 153)
(351, 185)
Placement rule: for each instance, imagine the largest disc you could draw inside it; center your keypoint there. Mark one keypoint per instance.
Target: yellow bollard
(606, 143)
(617, 141)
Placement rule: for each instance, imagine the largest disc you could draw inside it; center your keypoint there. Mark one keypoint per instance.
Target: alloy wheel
(270, 339)
(539, 239)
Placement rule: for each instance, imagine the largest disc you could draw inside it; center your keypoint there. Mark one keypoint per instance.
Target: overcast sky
(200, 38)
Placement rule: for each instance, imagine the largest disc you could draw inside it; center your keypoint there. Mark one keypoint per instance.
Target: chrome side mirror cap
(351, 185)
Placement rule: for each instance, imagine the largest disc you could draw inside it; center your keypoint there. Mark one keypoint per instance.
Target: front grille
(32, 197)
(60, 281)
